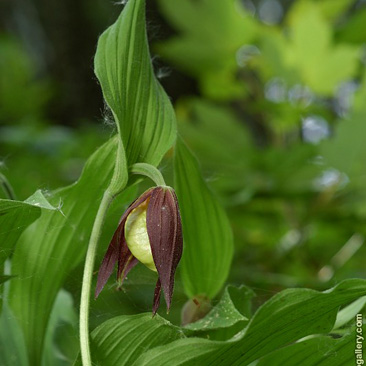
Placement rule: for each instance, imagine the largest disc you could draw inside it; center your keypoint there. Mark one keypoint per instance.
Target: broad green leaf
(15, 217)
(121, 340)
(317, 351)
(144, 115)
(55, 244)
(208, 240)
(287, 317)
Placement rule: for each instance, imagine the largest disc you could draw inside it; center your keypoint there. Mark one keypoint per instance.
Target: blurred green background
(270, 95)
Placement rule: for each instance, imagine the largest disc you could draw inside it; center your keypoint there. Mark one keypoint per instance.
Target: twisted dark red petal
(118, 250)
(108, 263)
(165, 234)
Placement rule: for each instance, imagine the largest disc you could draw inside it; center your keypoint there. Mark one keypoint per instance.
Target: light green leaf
(208, 240)
(322, 64)
(39, 200)
(121, 340)
(317, 351)
(304, 51)
(225, 313)
(349, 312)
(144, 115)
(55, 244)
(287, 317)
(15, 217)
(227, 318)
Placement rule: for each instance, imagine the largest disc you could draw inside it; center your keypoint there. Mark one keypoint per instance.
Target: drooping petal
(126, 261)
(157, 294)
(109, 261)
(118, 250)
(165, 234)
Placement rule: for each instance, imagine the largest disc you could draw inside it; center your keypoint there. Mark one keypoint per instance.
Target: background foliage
(270, 101)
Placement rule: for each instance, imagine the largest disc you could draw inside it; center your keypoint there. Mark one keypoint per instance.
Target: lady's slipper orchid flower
(150, 231)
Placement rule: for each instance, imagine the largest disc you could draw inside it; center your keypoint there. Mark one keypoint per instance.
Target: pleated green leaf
(317, 351)
(50, 248)
(287, 317)
(15, 217)
(121, 340)
(144, 115)
(208, 240)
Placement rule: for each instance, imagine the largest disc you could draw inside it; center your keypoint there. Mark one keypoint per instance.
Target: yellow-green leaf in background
(304, 51)
(323, 64)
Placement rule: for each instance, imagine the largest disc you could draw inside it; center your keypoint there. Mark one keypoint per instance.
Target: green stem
(7, 188)
(149, 171)
(87, 278)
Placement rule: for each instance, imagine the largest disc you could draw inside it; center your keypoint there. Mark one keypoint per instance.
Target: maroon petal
(157, 293)
(132, 206)
(126, 261)
(165, 234)
(109, 261)
(118, 250)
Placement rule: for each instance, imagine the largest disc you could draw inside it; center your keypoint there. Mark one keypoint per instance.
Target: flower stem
(87, 278)
(149, 171)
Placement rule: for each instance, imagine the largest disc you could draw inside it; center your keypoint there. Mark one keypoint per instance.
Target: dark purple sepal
(164, 229)
(108, 263)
